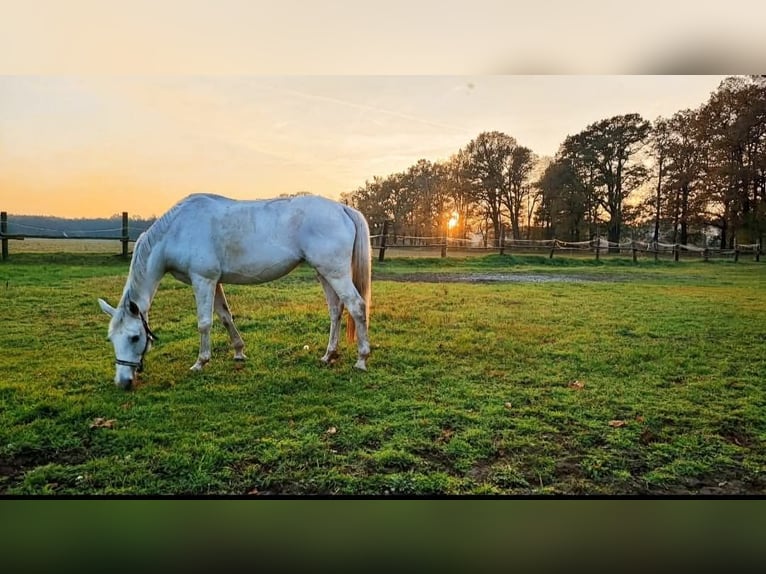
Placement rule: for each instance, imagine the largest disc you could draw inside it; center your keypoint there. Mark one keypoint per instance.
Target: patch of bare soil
(13, 468)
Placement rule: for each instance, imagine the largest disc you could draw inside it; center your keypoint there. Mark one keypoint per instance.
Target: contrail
(369, 108)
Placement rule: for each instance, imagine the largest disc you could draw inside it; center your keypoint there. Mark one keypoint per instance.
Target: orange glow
(86, 146)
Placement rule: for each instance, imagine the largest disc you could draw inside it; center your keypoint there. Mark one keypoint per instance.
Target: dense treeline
(696, 177)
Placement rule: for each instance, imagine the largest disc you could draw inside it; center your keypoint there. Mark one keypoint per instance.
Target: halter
(150, 337)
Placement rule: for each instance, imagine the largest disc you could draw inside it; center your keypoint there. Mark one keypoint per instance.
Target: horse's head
(131, 337)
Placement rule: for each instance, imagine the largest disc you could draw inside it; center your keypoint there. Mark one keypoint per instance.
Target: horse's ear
(106, 307)
(133, 308)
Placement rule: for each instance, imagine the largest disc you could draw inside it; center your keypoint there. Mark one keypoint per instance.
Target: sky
(108, 106)
(96, 145)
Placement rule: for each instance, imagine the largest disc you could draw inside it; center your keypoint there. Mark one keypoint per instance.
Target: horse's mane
(143, 247)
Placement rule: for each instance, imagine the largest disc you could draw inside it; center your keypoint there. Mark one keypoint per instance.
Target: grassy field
(80, 246)
(611, 378)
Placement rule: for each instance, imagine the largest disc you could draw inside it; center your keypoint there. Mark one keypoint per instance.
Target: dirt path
(494, 278)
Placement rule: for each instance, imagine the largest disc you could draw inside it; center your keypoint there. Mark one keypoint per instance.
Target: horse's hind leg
(335, 307)
(222, 310)
(349, 296)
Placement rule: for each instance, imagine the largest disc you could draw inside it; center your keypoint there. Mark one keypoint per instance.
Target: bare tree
(516, 190)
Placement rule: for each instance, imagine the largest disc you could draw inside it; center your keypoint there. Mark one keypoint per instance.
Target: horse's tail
(361, 267)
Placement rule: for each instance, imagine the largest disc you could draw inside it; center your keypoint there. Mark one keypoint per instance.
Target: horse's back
(251, 241)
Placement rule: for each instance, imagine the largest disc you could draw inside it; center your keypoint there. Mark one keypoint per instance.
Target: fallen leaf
(640, 419)
(331, 430)
(100, 422)
(647, 437)
(576, 385)
(254, 492)
(617, 423)
(508, 406)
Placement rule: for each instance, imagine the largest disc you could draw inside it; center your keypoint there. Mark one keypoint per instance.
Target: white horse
(206, 240)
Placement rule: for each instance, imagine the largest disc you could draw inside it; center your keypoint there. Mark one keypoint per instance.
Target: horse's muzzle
(125, 377)
(124, 384)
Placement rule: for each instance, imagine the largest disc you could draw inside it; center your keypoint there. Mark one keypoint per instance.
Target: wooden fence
(5, 237)
(596, 248)
(385, 241)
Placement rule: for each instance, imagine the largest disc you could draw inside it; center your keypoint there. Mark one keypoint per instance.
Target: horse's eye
(135, 338)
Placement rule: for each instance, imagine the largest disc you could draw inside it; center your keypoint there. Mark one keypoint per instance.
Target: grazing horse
(206, 240)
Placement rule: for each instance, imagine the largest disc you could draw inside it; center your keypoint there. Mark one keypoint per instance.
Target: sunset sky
(77, 146)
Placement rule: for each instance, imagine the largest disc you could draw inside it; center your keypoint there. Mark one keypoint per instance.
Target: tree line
(698, 176)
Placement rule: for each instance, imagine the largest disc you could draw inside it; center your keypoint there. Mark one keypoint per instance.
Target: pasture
(584, 377)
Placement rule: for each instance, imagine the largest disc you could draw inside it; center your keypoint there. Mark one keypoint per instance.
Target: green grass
(469, 389)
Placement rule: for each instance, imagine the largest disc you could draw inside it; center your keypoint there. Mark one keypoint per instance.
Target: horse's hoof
(361, 364)
(329, 358)
(196, 367)
(240, 358)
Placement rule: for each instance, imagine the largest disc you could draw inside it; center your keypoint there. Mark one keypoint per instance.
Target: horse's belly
(258, 272)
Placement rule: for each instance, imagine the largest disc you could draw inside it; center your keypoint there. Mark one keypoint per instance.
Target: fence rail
(384, 241)
(124, 236)
(594, 247)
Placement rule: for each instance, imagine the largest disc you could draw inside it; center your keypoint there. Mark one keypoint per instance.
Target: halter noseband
(150, 337)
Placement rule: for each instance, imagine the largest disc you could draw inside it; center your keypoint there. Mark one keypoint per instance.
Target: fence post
(125, 235)
(706, 254)
(656, 250)
(502, 240)
(382, 250)
(676, 251)
(4, 230)
(758, 251)
(736, 251)
(633, 247)
(553, 248)
(444, 245)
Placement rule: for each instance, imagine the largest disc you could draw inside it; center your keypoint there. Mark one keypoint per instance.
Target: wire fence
(403, 245)
(51, 233)
(17, 231)
(597, 247)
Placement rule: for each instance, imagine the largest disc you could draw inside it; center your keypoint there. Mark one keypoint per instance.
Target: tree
(660, 141)
(515, 193)
(683, 171)
(459, 188)
(429, 197)
(609, 150)
(563, 205)
(733, 131)
(487, 156)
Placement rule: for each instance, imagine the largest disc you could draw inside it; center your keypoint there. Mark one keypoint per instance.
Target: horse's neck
(144, 279)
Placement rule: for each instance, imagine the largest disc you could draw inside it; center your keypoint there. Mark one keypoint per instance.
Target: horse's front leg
(204, 294)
